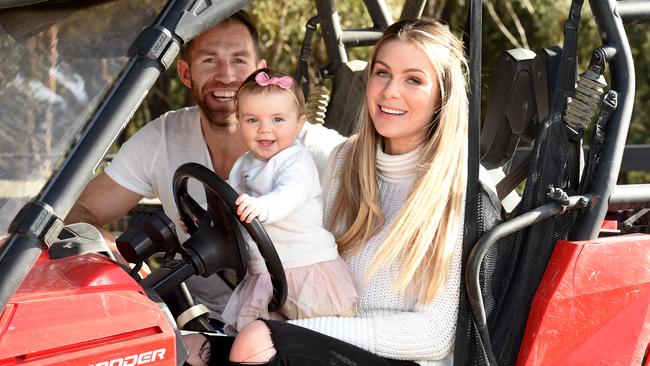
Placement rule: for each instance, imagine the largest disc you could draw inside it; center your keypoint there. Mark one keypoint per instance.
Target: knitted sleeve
(427, 333)
(330, 179)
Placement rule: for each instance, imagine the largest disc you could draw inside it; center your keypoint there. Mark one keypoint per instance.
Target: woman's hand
(247, 208)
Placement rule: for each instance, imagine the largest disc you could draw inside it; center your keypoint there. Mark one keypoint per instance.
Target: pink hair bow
(263, 79)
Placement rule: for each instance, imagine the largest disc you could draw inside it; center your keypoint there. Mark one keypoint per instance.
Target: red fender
(83, 310)
(592, 306)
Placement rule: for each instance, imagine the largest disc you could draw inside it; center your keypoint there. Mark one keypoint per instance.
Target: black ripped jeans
(299, 346)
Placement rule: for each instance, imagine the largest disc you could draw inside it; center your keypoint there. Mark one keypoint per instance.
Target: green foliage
(639, 37)
(281, 25)
(640, 42)
(507, 24)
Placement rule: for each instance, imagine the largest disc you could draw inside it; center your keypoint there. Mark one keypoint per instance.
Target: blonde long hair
(424, 234)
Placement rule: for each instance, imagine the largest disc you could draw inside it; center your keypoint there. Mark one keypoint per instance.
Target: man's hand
(247, 208)
(102, 201)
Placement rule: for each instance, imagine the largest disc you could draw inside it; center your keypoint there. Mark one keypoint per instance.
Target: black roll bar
(633, 10)
(630, 196)
(338, 40)
(379, 13)
(180, 21)
(610, 26)
(360, 37)
(332, 33)
(412, 9)
(473, 40)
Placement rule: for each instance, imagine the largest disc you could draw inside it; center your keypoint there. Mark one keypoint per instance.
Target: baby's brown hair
(266, 80)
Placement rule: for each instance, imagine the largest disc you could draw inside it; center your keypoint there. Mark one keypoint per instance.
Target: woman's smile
(391, 111)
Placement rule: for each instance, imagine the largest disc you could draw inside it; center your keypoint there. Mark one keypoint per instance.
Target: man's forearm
(80, 213)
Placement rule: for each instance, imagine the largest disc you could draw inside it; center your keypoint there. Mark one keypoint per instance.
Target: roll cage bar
(40, 221)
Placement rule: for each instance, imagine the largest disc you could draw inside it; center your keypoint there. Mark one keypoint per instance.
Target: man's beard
(217, 117)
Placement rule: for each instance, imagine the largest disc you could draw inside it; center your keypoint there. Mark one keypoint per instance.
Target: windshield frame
(40, 222)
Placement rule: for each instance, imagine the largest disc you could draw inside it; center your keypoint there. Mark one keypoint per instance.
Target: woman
(394, 197)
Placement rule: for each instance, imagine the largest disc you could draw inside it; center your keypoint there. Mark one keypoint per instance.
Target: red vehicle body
(592, 307)
(84, 311)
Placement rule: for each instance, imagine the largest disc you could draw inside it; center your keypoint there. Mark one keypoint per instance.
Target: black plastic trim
(37, 220)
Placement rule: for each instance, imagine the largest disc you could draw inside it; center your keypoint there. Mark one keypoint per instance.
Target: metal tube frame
(633, 10)
(412, 9)
(474, 44)
(332, 33)
(337, 40)
(379, 13)
(629, 196)
(610, 27)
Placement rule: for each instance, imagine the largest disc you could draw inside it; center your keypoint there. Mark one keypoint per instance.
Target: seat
(349, 90)
(518, 101)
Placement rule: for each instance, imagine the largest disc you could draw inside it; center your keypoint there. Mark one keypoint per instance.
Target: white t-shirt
(146, 164)
(289, 196)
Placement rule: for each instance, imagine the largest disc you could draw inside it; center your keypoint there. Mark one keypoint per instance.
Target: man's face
(217, 62)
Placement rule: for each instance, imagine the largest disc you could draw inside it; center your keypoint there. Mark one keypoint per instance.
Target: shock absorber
(302, 72)
(581, 109)
(588, 93)
(317, 101)
(317, 97)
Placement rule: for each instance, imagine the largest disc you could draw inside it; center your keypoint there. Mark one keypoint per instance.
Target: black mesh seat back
(531, 248)
(489, 215)
(514, 266)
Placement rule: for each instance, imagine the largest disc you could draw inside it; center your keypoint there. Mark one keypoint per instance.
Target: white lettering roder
(134, 360)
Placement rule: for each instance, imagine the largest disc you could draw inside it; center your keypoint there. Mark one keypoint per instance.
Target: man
(213, 65)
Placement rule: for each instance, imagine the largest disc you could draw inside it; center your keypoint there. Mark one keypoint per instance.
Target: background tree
(507, 24)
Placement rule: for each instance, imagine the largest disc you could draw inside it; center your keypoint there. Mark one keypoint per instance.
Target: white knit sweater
(386, 323)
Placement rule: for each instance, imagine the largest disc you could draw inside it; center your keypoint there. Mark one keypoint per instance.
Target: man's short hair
(242, 17)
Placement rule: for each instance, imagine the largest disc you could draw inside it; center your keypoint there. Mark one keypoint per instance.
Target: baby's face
(268, 122)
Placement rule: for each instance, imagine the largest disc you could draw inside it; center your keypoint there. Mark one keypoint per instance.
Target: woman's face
(402, 95)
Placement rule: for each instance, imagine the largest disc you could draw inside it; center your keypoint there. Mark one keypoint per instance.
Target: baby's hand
(247, 208)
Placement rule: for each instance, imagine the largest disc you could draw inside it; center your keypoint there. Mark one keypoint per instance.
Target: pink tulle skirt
(321, 289)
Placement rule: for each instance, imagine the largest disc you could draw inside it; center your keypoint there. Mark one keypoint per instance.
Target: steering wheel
(207, 228)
